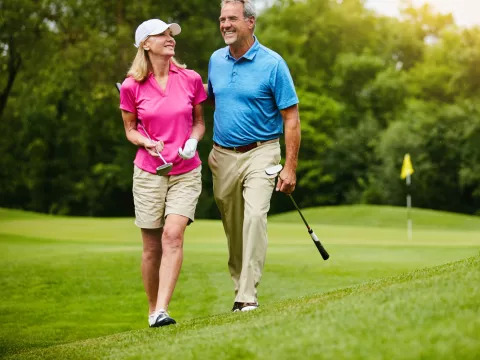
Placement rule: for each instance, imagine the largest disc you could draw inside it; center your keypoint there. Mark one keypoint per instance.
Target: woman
(162, 114)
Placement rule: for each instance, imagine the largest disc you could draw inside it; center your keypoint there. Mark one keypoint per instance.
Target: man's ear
(251, 22)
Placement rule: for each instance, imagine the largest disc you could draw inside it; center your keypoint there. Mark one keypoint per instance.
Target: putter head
(164, 169)
(274, 170)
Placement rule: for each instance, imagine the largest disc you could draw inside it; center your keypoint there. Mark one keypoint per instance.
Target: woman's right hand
(154, 147)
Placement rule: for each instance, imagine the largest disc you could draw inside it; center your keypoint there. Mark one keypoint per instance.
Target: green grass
(76, 281)
(391, 318)
(382, 216)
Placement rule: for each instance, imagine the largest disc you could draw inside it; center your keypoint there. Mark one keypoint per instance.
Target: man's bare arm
(287, 178)
(209, 100)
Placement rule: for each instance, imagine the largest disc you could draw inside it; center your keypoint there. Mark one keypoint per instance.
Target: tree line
(371, 89)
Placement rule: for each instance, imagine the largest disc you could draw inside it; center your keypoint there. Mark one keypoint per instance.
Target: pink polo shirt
(166, 115)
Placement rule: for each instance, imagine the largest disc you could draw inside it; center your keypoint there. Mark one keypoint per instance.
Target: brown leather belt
(246, 148)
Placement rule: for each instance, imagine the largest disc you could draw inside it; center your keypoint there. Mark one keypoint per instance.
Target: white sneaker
(249, 307)
(160, 318)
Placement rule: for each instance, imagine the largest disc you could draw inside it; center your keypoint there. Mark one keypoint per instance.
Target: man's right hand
(286, 181)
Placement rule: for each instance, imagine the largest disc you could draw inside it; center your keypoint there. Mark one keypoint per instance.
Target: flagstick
(409, 207)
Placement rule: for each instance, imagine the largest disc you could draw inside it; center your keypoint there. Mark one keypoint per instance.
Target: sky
(465, 12)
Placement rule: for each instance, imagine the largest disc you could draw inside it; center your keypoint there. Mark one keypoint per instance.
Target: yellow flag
(407, 168)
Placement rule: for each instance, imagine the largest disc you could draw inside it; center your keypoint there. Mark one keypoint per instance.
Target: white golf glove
(189, 149)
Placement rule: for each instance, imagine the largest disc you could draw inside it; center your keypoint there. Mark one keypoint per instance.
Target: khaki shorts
(155, 196)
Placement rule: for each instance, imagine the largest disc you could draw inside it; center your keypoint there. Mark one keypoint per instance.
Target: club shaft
(314, 237)
(161, 157)
(298, 209)
(149, 138)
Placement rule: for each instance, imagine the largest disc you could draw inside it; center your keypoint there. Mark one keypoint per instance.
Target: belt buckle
(235, 149)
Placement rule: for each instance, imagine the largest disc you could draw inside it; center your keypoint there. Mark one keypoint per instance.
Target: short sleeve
(210, 93)
(127, 96)
(200, 94)
(283, 87)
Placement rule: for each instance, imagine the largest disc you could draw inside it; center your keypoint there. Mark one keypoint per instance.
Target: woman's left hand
(189, 149)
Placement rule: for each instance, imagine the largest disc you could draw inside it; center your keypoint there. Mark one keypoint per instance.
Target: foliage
(371, 88)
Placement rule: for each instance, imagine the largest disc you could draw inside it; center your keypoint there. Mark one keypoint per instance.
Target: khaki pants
(242, 192)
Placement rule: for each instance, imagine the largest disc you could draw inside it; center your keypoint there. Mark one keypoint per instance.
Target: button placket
(234, 73)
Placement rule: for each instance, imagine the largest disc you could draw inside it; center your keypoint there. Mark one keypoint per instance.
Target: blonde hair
(142, 65)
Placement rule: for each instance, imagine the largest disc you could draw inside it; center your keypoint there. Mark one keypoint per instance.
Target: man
(254, 99)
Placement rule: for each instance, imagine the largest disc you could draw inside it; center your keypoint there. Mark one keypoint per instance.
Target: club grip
(319, 246)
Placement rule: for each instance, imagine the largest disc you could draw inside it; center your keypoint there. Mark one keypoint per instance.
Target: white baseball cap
(154, 27)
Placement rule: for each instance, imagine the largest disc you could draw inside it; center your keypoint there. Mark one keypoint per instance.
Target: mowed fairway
(76, 281)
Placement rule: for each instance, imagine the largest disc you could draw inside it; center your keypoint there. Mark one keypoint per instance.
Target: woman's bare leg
(151, 258)
(172, 257)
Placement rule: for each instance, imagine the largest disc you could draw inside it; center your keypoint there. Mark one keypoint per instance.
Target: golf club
(162, 169)
(166, 167)
(274, 170)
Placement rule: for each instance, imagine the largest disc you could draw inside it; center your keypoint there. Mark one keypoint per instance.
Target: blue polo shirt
(249, 93)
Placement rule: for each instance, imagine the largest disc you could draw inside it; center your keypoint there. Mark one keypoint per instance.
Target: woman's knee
(172, 237)
(152, 241)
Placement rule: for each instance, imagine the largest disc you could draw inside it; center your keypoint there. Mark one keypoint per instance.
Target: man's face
(233, 26)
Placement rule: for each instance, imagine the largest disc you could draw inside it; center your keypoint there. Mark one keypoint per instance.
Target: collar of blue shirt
(249, 55)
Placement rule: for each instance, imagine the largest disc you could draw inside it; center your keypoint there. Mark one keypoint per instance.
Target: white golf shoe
(249, 307)
(160, 318)
(239, 306)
